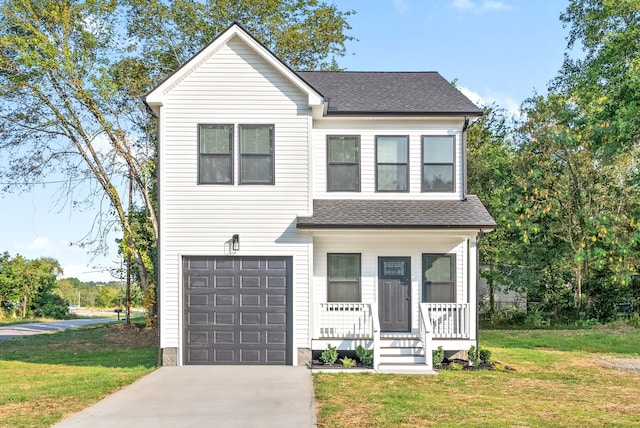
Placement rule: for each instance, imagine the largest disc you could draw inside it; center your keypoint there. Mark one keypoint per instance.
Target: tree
(605, 80)
(576, 203)
(71, 79)
(491, 152)
(26, 281)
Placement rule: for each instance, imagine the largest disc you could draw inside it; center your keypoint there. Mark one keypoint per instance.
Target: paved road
(17, 330)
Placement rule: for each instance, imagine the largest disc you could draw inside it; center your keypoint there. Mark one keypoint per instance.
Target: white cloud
(463, 4)
(39, 243)
(495, 5)
(479, 7)
(400, 5)
(86, 273)
(489, 97)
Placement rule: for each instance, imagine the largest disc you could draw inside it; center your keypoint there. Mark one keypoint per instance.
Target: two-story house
(300, 209)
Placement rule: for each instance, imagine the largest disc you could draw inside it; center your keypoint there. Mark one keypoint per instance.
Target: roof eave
(405, 113)
(485, 227)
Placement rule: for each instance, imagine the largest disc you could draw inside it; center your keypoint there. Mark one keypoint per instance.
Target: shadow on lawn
(106, 345)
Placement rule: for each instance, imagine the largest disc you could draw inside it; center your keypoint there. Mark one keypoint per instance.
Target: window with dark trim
(438, 163)
(256, 154)
(439, 278)
(215, 154)
(392, 164)
(343, 275)
(343, 163)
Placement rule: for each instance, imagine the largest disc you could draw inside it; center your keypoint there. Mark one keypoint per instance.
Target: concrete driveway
(208, 396)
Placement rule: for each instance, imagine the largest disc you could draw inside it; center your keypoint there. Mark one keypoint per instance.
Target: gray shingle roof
(397, 214)
(355, 92)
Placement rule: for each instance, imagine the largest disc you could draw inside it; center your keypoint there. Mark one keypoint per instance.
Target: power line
(42, 182)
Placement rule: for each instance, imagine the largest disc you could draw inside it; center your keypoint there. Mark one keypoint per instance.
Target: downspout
(464, 157)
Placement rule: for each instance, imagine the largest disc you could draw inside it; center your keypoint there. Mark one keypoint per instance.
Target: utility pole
(128, 308)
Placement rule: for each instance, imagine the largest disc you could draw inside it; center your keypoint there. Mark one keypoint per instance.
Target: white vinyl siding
(415, 129)
(234, 86)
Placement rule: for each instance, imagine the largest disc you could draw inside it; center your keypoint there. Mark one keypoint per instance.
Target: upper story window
(392, 164)
(438, 163)
(256, 154)
(438, 280)
(343, 163)
(343, 272)
(215, 158)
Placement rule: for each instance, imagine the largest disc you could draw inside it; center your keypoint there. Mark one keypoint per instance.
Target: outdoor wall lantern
(235, 242)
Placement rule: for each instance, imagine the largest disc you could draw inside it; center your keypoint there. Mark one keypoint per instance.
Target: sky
(499, 51)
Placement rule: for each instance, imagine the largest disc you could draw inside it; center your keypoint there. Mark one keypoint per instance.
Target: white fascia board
(156, 97)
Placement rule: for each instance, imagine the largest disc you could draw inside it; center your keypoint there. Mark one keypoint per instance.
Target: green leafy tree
(580, 205)
(72, 73)
(26, 281)
(604, 80)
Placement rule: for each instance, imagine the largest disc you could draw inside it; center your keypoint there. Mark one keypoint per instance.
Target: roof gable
(156, 96)
(377, 93)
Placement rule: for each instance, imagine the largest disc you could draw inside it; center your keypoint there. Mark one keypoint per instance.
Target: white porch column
(472, 258)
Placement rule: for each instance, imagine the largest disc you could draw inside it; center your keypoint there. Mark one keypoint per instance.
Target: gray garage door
(237, 310)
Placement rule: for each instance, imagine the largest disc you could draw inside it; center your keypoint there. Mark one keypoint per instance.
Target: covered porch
(347, 325)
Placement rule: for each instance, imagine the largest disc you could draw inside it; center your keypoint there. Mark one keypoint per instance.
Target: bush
(485, 355)
(438, 356)
(49, 305)
(348, 362)
(329, 355)
(474, 356)
(455, 366)
(364, 355)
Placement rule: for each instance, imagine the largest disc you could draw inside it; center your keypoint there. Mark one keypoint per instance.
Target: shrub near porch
(561, 379)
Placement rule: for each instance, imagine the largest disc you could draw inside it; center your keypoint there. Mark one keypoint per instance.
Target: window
(215, 158)
(439, 285)
(437, 164)
(343, 272)
(256, 154)
(343, 160)
(392, 167)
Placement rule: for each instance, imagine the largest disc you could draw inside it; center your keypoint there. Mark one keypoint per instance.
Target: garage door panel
(199, 263)
(222, 299)
(199, 300)
(226, 281)
(222, 337)
(251, 282)
(195, 337)
(277, 285)
(237, 311)
(276, 301)
(198, 318)
(198, 282)
(248, 318)
(222, 318)
(250, 300)
(198, 356)
(223, 356)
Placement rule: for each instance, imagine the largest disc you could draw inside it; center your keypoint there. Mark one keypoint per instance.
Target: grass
(561, 379)
(45, 377)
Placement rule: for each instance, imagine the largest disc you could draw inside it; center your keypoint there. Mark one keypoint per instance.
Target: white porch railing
(359, 320)
(448, 320)
(375, 324)
(426, 334)
(345, 321)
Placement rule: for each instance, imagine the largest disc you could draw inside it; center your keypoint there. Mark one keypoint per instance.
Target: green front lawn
(45, 377)
(562, 378)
